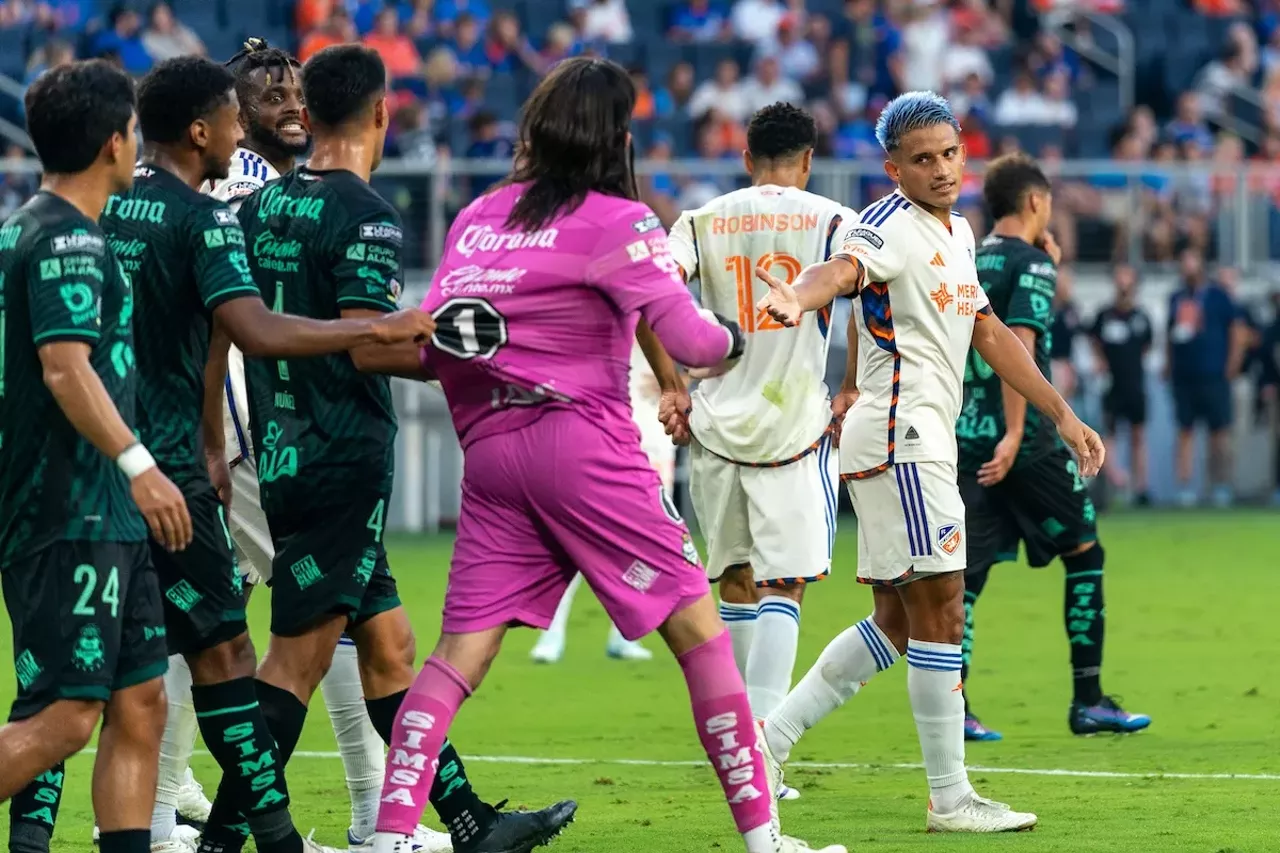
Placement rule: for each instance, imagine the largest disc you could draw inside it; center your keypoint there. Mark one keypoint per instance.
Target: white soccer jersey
(774, 405)
(915, 321)
(248, 173)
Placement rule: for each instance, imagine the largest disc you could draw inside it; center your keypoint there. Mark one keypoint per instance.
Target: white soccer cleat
(978, 814)
(786, 792)
(787, 844)
(623, 649)
(549, 648)
(97, 835)
(310, 845)
(193, 805)
(187, 835)
(171, 846)
(386, 842)
(425, 840)
(772, 775)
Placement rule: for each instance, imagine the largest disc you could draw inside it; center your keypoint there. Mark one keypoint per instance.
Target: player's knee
(140, 710)
(738, 586)
(894, 625)
(235, 658)
(70, 724)
(470, 654)
(793, 591)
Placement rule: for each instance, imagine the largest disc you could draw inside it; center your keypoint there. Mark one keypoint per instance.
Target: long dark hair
(573, 140)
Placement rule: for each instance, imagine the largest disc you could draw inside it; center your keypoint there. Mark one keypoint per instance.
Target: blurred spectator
(1221, 8)
(397, 50)
(1121, 338)
(447, 13)
(337, 30)
(1021, 104)
(972, 101)
(698, 190)
(364, 13)
(16, 187)
(723, 91)
(855, 138)
(561, 43)
(52, 54)
(1142, 126)
(1066, 327)
(658, 189)
(1271, 53)
(796, 56)
(757, 20)
(471, 91)
(418, 21)
(68, 15)
(309, 15)
(966, 57)
(1205, 353)
(699, 21)
(506, 48)
(1193, 196)
(973, 133)
(1060, 110)
(867, 50)
(1188, 122)
(1221, 77)
(1269, 386)
(675, 97)
(604, 21)
(646, 107)
(926, 35)
(467, 47)
(411, 137)
(767, 86)
(487, 143)
(167, 37)
(443, 99)
(1049, 56)
(123, 36)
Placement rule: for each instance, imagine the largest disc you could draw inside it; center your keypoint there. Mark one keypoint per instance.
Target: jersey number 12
(744, 274)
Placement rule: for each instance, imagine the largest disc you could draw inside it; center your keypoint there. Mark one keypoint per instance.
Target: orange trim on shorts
(831, 427)
(898, 581)
(781, 583)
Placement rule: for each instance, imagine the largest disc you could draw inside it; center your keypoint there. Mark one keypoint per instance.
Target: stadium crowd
(1206, 92)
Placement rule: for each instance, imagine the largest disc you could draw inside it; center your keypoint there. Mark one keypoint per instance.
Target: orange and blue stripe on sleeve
(877, 314)
(983, 313)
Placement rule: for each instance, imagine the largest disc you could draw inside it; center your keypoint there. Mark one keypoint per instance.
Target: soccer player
(78, 490)
(324, 244)
(1121, 336)
(762, 472)
(555, 480)
(1018, 481)
(186, 254)
(269, 89)
(645, 396)
(909, 261)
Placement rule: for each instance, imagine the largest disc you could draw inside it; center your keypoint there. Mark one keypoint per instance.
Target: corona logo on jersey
(949, 538)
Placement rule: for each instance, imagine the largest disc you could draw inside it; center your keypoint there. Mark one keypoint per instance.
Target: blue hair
(912, 111)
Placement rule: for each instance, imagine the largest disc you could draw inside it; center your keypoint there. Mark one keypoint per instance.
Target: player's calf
(739, 610)
(124, 774)
(32, 745)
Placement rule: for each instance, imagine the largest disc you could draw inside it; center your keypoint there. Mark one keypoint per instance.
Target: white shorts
(910, 522)
(656, 444)
(780, 520)
(249, 530)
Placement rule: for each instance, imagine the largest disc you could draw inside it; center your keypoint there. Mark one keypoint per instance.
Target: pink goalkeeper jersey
(528, 321)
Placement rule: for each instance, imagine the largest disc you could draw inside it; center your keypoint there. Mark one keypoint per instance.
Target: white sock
(561, 619)
(761, 839)
(361, 749)
(176, 745)
(933, 683)
(845, 665)
(740, 619)
(773, 654)
(615, 636)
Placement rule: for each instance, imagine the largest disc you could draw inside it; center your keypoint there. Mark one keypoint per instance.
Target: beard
(269, 137)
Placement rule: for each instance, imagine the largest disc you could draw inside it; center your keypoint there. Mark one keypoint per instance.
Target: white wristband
(135, 461)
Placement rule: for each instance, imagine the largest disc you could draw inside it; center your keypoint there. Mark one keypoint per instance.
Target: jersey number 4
(470, 328)
(744, 274)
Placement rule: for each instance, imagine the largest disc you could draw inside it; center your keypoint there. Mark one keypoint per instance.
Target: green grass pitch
(1191, 640)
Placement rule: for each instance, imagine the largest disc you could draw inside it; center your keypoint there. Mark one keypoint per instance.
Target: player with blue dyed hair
(910, 262)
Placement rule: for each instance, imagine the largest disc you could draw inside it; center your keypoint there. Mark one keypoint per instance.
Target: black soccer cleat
(1106, 716)
(520, 832)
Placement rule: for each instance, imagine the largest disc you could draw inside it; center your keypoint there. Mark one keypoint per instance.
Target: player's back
(185, 255)
(529, 321)
(774, 404)
(60, 282)
(321, 243)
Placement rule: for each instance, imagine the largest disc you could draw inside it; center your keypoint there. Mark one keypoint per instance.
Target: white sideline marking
(840, 765)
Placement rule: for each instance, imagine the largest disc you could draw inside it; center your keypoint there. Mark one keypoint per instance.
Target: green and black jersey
(185, 253)
(59, 282)
(323, 432)
(1020, 281)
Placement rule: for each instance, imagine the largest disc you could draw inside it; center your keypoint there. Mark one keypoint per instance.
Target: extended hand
(164, 508)
(407, 325)
(673, 414)
(1086, 444)
(1006, 452)
(781, 302)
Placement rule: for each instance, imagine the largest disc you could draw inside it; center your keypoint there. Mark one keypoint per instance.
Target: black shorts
(1043, 503)
(1125, 404)
(202, 590)
(1202, 401)
(330, 562)
(86, 621)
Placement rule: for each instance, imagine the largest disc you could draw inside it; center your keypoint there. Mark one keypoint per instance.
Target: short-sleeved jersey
(1020, 281)
(249, 172)
(919, 301)
(185, 253)
(529, 321)
(59, 281)
(319, 243)
(774, 404)
(1125, 336)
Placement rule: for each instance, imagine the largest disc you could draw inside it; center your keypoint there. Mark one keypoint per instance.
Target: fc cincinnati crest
(949, 537)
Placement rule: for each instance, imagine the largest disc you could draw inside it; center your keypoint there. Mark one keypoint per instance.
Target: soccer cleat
(786, 792)
(310, 845)
(172, 846)
(772, 774)
(549, 648)
(187, 835)
(978, 814)
(193, 805)
(622, 649)
(1106, 716)
(975, 730)
(425, 840)
(520, 832)
(787, 844)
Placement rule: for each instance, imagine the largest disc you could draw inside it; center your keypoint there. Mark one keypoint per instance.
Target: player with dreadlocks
(269, 89)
